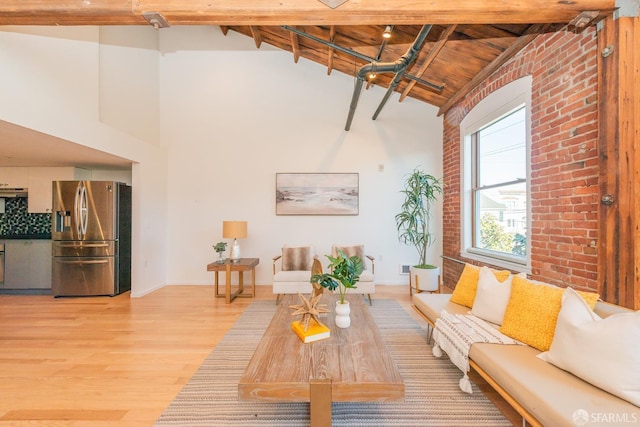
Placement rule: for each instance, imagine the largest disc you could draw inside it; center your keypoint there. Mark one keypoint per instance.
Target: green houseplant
(220, 247)
(421, 191)
(344, 274)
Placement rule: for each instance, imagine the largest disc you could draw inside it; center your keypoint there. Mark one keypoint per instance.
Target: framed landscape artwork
(317, 193)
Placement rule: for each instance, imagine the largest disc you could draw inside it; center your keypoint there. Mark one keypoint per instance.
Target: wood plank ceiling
(467, 40)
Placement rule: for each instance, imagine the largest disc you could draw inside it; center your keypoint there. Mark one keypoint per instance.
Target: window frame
(492, 108)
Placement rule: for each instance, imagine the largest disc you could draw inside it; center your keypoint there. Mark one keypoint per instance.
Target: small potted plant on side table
(344, 274)
(220, 247)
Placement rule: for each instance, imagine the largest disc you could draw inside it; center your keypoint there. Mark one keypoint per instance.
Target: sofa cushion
(431, 305)
(551, 395)
(297, 258)
(603, 352)
(532, 312)
(465, 290)
(492, 297)
(292, 276)
(366, 276)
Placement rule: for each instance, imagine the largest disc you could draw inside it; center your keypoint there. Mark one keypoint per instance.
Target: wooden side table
(244, 264)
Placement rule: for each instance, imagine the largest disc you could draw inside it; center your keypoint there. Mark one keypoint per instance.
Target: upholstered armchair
(366, 285)
(292, 271)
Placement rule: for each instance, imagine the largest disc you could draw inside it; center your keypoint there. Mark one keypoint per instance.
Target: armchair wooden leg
(370, 302)
(278, 298)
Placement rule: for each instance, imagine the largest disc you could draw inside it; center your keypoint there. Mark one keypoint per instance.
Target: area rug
(432, 394)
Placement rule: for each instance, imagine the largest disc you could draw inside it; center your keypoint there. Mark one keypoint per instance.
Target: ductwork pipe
(399, 67)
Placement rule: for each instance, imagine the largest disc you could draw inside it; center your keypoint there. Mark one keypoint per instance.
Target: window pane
(501, 219)
(501, 150)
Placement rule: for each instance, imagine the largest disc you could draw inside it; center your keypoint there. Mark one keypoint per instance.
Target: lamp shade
(234, 229)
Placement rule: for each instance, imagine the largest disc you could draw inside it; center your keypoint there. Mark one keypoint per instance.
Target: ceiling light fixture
(584, 18)
(155, 19)
(387, 32)
(373, 71)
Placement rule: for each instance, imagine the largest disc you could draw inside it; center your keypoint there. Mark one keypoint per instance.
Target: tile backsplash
(16, 220)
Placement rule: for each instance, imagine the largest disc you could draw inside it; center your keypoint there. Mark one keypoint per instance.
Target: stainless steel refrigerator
(91, 233)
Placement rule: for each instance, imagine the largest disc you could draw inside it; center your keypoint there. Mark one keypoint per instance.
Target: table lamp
(234, 230)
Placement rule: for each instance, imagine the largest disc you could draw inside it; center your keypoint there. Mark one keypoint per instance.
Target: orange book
(314, 332)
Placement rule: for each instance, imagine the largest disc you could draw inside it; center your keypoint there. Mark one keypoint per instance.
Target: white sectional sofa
(542, 393)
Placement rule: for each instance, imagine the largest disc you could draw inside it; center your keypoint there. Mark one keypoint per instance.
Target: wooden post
(619, 126)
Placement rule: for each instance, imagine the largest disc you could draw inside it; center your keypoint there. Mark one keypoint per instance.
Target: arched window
(495, 177)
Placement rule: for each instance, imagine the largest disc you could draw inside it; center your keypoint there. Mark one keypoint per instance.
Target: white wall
(129, 94)
(232, 116)
(50, 82)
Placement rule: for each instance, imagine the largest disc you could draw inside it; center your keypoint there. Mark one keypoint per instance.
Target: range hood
(13, 192)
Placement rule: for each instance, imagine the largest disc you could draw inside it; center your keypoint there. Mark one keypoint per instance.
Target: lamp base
(234, 255)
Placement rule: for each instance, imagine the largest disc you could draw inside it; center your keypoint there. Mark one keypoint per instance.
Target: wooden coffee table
(353, 365)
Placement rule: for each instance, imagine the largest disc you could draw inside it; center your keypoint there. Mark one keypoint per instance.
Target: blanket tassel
(465, 384)
(437, 352)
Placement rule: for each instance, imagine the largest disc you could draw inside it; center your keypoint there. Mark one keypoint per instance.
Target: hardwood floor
(116, 361)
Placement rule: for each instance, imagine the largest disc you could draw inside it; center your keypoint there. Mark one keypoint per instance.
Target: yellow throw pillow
(465, 290)
(532, 312)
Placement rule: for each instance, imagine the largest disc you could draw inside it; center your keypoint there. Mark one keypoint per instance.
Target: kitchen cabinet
(16, 264)
(40, 264)
(14, 177)
(40, 185)
(27, 264)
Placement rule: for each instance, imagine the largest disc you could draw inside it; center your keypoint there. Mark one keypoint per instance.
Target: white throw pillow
(492, 297)
(604, 352)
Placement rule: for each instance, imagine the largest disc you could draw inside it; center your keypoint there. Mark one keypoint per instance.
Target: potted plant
(220, 247)
(421, 191)
(344, 274)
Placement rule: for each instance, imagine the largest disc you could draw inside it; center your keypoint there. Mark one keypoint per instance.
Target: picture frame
(317, 193)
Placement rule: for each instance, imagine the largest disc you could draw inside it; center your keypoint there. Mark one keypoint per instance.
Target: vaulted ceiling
(438, 50)
(452, 59)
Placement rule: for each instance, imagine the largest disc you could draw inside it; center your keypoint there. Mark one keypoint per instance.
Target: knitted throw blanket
(454, 334)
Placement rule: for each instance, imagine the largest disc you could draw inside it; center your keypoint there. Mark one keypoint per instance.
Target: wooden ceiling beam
(295, 46)
(296, 12)
(257, 37)
(332, 37)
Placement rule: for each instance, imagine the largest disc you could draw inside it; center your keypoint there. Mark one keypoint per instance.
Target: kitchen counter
(37, 236)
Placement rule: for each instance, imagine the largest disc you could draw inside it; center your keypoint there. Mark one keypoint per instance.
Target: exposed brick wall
(564, 157)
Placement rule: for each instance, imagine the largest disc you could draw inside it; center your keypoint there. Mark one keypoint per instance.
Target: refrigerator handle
(76, 208)
(62, 244)
(81, 209)
(86, 262)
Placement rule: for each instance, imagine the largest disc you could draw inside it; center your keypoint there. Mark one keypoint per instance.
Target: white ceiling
(20, 146)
